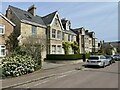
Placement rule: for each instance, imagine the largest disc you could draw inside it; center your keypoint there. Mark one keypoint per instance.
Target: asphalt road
(89, 77)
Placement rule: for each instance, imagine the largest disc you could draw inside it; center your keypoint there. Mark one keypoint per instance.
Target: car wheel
(114, 61)
(103, 64)
(110, 62)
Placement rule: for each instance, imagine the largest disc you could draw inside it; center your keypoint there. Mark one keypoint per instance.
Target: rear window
(94, 58)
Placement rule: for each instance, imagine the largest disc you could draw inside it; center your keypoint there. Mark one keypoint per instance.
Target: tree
(34, 46)
(75, 47)
(12, 43)
(66, 46)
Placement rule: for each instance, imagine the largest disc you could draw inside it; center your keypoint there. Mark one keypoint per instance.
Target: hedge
(64, 57)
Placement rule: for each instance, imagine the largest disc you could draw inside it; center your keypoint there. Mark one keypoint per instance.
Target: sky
(100, 17)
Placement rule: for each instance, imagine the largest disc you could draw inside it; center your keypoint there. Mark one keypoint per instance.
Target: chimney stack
(32, 10)
(8, 13)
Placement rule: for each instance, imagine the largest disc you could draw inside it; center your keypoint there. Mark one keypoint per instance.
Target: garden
(23, 59)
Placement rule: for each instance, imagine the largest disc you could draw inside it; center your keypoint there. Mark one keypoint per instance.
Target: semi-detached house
(6, 28)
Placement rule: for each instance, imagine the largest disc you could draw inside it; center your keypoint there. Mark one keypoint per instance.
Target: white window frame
(1, 48)
(53, 34)
(3, 27)
(53, 49)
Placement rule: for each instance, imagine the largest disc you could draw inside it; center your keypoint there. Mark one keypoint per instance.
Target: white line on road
(59, 75)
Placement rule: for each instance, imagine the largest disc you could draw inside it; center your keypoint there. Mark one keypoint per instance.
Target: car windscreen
(93, 58)
(107, 57)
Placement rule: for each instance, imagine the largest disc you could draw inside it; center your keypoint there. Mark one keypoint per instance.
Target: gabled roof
(48, 18)
(7, 19)
(26, 16)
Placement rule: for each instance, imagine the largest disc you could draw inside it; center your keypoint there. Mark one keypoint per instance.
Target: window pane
(53, 49)
(53, 33)
(58, 49)
(63, 35)
(58, 34)
(68, 37)
(2, 51)
(1, 30)
(72, 38)
(34, 31)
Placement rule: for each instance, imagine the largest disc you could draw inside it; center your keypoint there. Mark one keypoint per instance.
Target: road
(84, 78)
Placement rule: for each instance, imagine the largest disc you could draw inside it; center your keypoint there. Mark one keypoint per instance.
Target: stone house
(6, 28)
(110, 46)
(68, 35)
(54, 33)
(86, 40)
(27, 23)
(55, 30)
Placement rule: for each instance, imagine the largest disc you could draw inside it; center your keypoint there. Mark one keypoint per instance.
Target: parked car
(116, 57)
(98, 60)
(110, 59)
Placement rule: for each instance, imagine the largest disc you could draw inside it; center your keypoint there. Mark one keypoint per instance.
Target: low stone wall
(65, 61)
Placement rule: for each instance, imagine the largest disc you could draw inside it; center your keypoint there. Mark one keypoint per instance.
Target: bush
(63, 57)
(17, 65)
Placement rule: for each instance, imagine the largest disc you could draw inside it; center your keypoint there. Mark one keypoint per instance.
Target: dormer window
(28, 16)
(2, 29)
(68, 25)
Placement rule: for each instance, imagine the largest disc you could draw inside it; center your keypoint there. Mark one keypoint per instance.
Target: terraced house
(6, 28)
(55, 30)
(86, 40)
(67, 35)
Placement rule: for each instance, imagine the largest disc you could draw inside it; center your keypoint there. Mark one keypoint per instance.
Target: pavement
(45, 72)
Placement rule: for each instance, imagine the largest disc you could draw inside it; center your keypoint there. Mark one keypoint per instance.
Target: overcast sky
(100, 17)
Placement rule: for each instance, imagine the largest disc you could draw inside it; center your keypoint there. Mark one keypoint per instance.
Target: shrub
(63, 57)
(17, 65)
(87, 55)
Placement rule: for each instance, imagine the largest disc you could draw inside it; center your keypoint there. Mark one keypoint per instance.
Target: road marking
(39, 83)
(57, 76)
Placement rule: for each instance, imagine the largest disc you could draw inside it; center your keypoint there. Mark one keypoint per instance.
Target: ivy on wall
(74, 45)
(66, 46)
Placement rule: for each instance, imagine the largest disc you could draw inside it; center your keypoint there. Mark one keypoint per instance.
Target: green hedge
(63, 57)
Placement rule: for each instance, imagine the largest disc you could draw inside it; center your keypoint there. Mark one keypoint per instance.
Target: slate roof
(76, 30)
(48, 18)
(114, 44)
(24, 15)
(69, 32)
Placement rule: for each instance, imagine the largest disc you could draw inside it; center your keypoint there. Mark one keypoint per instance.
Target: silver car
(98, 60)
